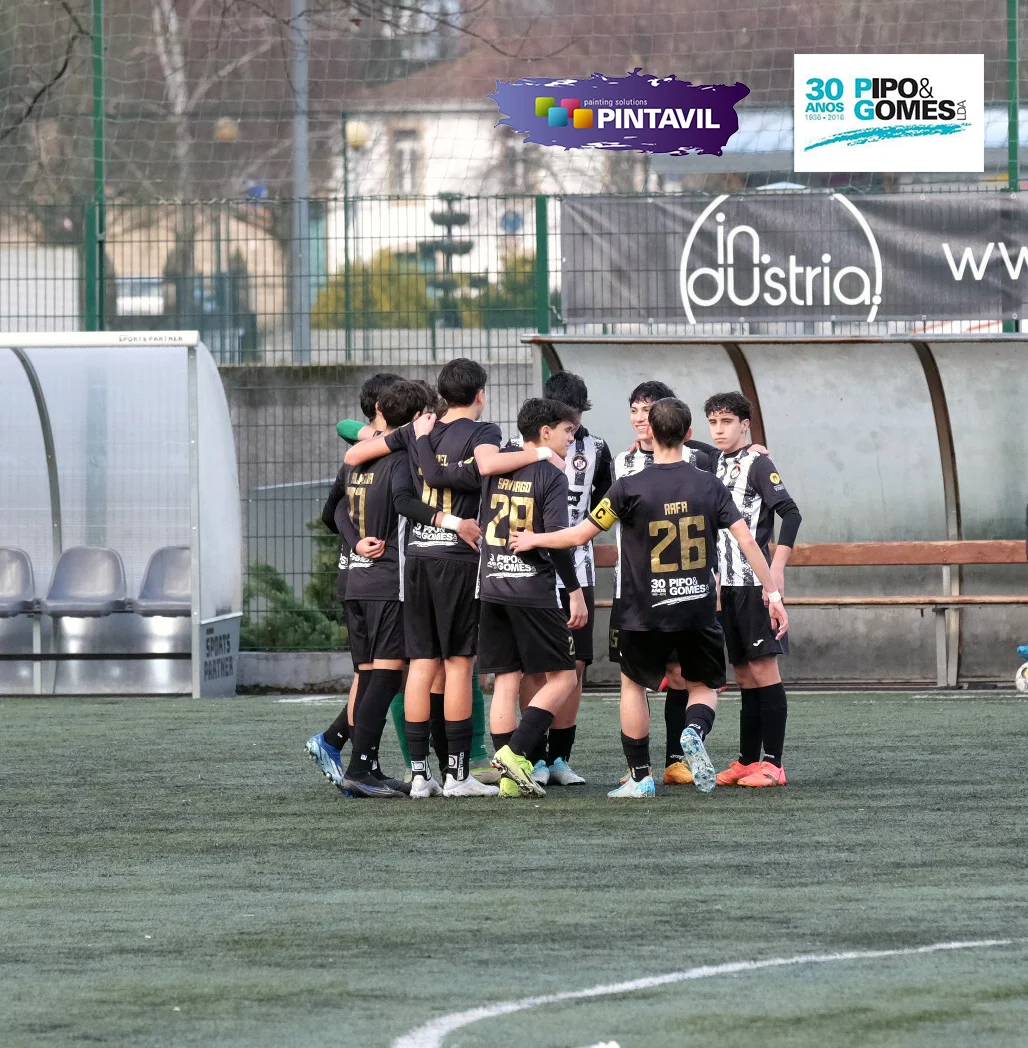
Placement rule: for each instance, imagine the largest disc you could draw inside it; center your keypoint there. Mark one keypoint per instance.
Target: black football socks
(700, 718)
(749, 726)
(501, 739)
(637, 753)
(674, 720)
(774, 709)
(339, 732)
(535, 722)
(370, 719)
(418, 734)
(437, 718)
(458, 748)
(558, 744)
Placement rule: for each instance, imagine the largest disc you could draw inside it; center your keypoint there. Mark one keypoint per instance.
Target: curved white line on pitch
(433, 1033)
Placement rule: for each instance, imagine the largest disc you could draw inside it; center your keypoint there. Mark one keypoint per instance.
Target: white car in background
(140, 296)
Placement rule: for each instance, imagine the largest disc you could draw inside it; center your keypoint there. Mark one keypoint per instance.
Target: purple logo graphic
(636, 112)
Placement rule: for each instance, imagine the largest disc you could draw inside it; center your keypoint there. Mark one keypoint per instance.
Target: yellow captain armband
(603, 516)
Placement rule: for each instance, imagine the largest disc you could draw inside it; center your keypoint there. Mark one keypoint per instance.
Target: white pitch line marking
(433, 1033)
(315, 699)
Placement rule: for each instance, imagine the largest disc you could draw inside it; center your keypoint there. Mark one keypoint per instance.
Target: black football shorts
(440, 607)
(375, 628)
(584, 636)
(700, 653)
(533, 640)
(747, 625)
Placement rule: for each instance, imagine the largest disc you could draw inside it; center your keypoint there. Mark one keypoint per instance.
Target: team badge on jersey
(775, 478)
(580, 462)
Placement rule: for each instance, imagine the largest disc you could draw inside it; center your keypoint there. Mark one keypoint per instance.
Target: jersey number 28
(516, 509)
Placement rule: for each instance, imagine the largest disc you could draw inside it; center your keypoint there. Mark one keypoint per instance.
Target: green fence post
(94, 226)
(542, 272)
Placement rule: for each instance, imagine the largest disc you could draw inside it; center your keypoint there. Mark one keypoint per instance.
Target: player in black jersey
(627, 463)
(325, 748)
(753, 649)
(524, 630)
(441, 570)
(670, 516)
(587, 467)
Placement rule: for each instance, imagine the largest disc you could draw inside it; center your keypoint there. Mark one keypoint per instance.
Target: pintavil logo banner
(889, 113)
(774, 271)
(636, 112)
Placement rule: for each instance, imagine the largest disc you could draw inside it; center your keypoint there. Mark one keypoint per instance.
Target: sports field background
(175, 872)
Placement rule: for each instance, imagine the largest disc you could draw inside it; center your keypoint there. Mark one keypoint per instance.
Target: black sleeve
(406, 501)
(765, 480)
(602, 478)
(704, 461)
(345, 524)
(791, 519)
(338, 491)
(564, 561)
(487, 433)
(397, 440)
(707, 449)
(462, 476)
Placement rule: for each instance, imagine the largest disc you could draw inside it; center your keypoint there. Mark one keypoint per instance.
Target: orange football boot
(766, 774)
(735, 772)
(678, 774)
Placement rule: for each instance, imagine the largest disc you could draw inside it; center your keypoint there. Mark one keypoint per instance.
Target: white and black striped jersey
(588, 469)
(756, 489)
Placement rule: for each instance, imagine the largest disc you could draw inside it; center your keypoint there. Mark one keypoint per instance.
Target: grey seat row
(89, 582)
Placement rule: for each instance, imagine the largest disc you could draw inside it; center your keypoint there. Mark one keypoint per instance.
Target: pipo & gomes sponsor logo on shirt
(744, 271)
(638, 112)
(889, 113)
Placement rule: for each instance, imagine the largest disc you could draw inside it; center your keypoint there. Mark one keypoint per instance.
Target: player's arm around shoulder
(376, 448)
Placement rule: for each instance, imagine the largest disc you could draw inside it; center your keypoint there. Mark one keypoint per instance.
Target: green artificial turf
(176, 872)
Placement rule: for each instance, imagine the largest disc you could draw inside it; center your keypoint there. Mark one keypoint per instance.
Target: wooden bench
(945, 606)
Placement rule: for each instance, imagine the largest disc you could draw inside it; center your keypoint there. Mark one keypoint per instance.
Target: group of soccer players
(457, 548)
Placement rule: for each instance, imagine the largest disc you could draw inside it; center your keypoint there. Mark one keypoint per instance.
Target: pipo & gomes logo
(889, 113)
(794, 278)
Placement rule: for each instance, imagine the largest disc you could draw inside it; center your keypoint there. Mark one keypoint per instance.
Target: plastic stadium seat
(17, 585)
(166, 586)
(88, 582)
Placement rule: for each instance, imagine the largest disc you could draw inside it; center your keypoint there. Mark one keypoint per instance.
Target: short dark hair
(734, 403)
(538, 412)
(460, 380)
(652, 390)
(401, 401)
(373, 389)
(670, 420)
(569, 389)
(433, 402)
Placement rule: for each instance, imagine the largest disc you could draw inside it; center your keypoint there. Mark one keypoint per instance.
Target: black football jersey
(369, 493)
(453, 443)
(534, 498)
(330, 515)
(670, 515)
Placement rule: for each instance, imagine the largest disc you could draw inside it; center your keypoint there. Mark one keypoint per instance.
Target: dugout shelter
(120, 532)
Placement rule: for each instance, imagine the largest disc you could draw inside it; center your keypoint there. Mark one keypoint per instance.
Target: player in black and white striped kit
(753, 649)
